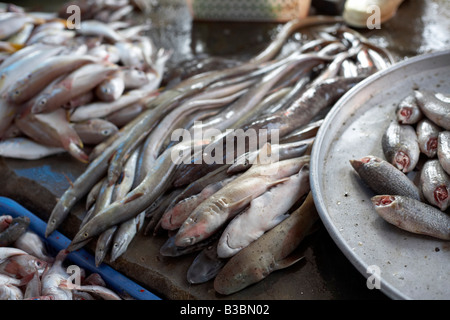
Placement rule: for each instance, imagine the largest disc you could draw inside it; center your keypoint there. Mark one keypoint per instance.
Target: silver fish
(435, 184)
(110, 89)
(400, 146)
(94, 131)
(436, 109)
(383, 177)
(32, 243)
(98, 28)
(427, 137)
(24, 148)
(407, 111)
(443, 150)
(53, 277)
(413, 216)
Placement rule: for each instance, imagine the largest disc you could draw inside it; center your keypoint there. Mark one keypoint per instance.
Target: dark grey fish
(413, 216)
(383, 178)
(16, 228)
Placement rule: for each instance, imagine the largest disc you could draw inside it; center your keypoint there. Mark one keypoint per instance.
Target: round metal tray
(409, 266)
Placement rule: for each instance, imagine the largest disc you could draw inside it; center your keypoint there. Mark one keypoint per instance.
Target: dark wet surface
(419, 27)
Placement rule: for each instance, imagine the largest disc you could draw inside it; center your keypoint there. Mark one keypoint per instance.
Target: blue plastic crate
(57, 241)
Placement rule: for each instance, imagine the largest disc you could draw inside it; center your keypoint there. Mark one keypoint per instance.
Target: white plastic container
(249, 10)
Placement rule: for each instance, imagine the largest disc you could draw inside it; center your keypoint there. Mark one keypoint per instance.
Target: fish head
(24, 265)
(191, 232)
(40, 103)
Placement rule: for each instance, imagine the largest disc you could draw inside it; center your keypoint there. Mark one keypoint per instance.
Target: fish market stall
(94, 123)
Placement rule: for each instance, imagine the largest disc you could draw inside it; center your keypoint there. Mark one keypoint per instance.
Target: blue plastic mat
(115, 280)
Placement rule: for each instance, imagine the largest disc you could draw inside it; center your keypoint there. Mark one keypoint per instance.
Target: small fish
(10, 292)
(111, 88)
(53, 277)
(98, 28)
(271, 252)
(16, 228)
(24, 148)
(443, 150)
(408, 112)
(94, 131)
(31, 243)
(434, 108)
(413, 216)
(400, 146)
(7, 252)
(103, 292)
(435, 184)
(23, 266)
(427, 137)
(383, 177)
(125, 234)
(174, 217)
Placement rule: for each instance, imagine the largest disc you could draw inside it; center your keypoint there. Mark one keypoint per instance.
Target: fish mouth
(441, 194)
(402, 161)
(383, 200)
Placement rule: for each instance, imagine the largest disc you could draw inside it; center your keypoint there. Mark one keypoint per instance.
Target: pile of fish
(417, 142)
(141, 174)
(29, 272)
(65, 89)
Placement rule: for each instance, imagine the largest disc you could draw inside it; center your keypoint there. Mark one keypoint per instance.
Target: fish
(263, 213)
(10, 292)
(101, 291)
(7, 252)
(434, 108)
(23, 266)
(443, 150)
(154, 184)
(272, 251)
(205, 266)
(53, 277)
(174, 217)
(95, 130)
(408, 111)
(122, 116)
(124, 235)
(103, 245)
(25, 148)
(413, 215)
(76, 83)
(41, 75)
(52, 129)
(170, 249)
(7, 280)
(400, 146)
(133, 78)
(223, 205)
(98, 28)
(111, 88)
(33, 287)
(382, 177)
(427, 137)
(16, 228)
(32, 243)
(435, 184)
(80, 100)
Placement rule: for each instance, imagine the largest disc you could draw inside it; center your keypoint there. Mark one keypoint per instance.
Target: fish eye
(43, 101)
(16, 93)
(105, 132)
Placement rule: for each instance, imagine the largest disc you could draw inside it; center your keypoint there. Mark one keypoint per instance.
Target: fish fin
(241, 203)
(288, 261)
(274, 183)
